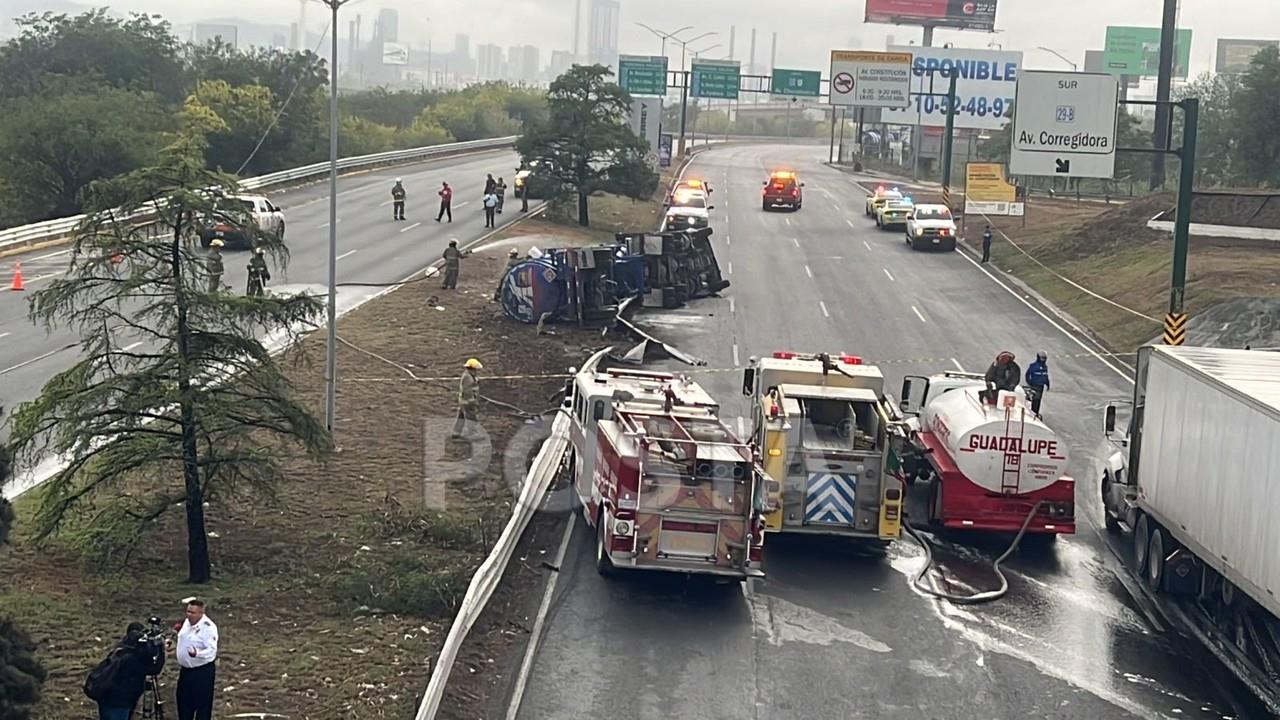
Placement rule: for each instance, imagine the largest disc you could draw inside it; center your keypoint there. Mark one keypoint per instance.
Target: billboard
(987, 83)
(645, 119)
(987, 192)
(1234, 55)
(395, 54)
(1136, 51)
(962, 14)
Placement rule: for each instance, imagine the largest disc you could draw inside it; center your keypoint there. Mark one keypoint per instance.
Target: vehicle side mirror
(749, 382)
(1109, 421)
(801, 184)
(711, 207)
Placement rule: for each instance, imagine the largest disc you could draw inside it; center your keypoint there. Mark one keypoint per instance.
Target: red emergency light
(850, 359)
(784, 356)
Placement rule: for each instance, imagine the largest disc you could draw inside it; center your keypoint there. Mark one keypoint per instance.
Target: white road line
(727, 241)
(730, 310)
(916, 310)
(824, 309)
(535, 634)
(5, 335)
(957, 364)
(46, 257)
(837, 207)
(886, 272)
(130, 346)
(461, 205)
(407, 229)
(795, 242)
(850, 222)
(808, 272)
(788, 221)
(348, 253)
(730, 265)
(326, 224)
(25, 363)
(386, 203)
(864, 242)
(735, 354)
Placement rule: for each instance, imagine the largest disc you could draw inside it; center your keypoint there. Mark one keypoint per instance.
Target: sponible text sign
(1065, 125)
(986, 81)
(870, 79)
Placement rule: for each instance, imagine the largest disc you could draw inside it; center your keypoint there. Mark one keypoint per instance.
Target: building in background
(602, 40)
(524, 64)
(561, 61)
(490, 63)
(388, 26)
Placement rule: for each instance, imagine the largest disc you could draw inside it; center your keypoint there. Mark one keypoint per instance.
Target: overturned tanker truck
(588, 285)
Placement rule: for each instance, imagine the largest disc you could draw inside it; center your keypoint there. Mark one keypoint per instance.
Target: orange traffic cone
(17, 277)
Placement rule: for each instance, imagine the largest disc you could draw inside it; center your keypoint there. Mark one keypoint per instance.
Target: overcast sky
(807, 29)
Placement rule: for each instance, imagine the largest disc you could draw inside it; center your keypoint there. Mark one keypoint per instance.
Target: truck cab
(821, 427)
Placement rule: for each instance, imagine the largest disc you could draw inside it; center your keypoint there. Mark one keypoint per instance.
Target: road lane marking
(347, 254)
(386, 203)
(407, 229)
(864, 242)
(535, 633)
(326, 224)
(916, 310)
(886, 272)
(788, 221)
(808, 272)
(730, 267)
(957, 364)
(25, 363)
(824, 309)
(461, 205)
(735, 354)
(850, 222)
(130, 346)
(730, 310)
(727, 241)
(795, 242)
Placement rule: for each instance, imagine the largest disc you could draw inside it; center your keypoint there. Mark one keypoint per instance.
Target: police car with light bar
(879, 197)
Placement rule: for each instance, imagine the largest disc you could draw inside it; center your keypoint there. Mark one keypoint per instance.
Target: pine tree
(21, 673)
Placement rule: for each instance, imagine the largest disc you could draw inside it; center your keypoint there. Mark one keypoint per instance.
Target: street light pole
(684, 86)
(1060, 56)
(331, 346)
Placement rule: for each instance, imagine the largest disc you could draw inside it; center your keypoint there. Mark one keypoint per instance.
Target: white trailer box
(1210, 459)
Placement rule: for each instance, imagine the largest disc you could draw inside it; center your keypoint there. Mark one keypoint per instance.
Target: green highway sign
(797, 83)
(715, 78)
(643, 74)
(1136, 51)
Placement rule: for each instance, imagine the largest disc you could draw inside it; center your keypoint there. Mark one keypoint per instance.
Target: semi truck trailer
(1194, 486)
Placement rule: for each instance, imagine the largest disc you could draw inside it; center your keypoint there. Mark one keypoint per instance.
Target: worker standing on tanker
(1004, 374)
(397, 200)
(1037, 380)
(468, 398)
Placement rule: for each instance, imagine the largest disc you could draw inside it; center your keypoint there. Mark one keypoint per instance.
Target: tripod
(152, 702)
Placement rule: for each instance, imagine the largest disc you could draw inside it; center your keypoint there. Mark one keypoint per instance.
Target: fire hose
(976, 598)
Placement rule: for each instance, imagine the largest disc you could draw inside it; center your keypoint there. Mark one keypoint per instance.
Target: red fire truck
(661, 480)
(988, 464)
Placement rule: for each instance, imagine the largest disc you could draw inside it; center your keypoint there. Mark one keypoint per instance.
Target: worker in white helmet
(213, 264)
(397, 200)
(468, 398)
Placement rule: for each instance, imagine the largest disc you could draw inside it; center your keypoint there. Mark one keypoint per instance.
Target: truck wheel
(604, 565)
(1155, 558)
(1107, 517)
(1141, 539)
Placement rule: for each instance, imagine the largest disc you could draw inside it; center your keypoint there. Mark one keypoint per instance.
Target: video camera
(155, 631)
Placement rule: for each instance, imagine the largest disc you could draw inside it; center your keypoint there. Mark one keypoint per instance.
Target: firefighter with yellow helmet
(468, 398)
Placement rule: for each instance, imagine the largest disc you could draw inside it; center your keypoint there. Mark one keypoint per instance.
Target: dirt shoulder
(332, 602)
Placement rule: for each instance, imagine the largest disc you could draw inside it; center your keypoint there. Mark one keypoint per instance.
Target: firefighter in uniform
(513, 259)
(258, 274)
(468, 398)
(397, 200)
(452, 256)
(213, 264)
(1004, 374)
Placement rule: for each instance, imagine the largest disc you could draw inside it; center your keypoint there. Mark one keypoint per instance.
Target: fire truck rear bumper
(1041, 526)
(626, 561)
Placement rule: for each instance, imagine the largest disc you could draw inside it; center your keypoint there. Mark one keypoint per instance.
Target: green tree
(477, 112)
(1255, 114)
(396, 109)
(585, 144)
(52, 148)
(21, 673)
(135, 53)
(200, 414)
(1216, 140)
(247, 113)
(358, 136)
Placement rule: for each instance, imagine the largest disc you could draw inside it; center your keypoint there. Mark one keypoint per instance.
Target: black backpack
(104, 678)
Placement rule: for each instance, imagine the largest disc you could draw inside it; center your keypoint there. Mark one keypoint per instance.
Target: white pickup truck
(931, 227)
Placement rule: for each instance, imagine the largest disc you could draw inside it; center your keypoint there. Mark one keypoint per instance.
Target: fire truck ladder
(1011, 472)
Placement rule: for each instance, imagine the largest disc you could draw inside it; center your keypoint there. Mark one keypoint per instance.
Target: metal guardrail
(61, 228)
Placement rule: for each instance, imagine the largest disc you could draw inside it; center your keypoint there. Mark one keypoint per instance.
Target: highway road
(833, 632)
(372, 248)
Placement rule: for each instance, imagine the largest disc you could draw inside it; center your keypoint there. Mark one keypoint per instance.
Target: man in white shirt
(197, 652)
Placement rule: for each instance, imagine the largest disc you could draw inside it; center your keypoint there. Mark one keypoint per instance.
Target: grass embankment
(332, 602)
(1110, 250)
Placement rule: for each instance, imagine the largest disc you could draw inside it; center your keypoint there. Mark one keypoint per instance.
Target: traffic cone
(17, 277)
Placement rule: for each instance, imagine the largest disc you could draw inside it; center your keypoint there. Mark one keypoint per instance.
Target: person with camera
(197, 653)
(118, 681)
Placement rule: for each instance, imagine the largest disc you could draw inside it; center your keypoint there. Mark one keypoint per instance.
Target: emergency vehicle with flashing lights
(664, 484)
(986, 466)
(894, 213)
(823, 431)
(879, 197)
(782, 189)
(931, 227)
(690, 186)
(689, 209)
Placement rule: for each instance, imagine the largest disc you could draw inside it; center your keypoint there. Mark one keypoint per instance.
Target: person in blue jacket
(1038, 380)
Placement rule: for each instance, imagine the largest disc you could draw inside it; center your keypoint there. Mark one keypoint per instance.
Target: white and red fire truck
(662, 481)
(987, 464)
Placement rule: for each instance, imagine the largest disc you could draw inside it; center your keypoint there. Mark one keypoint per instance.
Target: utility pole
(948, 141)
(773, 53)
(331, 346)
(1182, 222)
(1160, 138)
